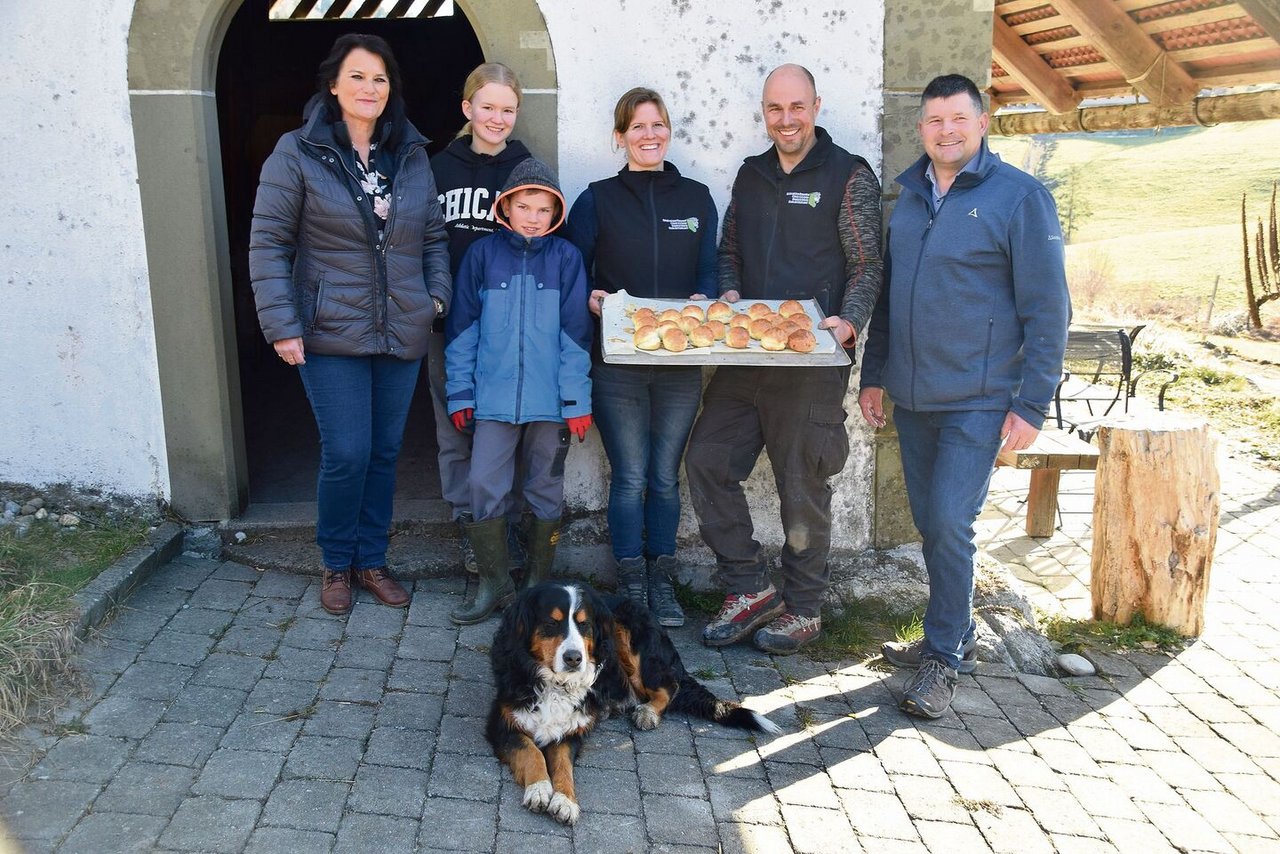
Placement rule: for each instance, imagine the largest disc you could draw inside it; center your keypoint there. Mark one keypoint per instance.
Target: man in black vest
(803, 223)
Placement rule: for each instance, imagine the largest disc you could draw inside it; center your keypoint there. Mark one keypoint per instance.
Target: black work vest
(650, 226)
(787, 225)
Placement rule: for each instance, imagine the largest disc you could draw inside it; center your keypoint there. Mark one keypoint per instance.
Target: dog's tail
(693, 698)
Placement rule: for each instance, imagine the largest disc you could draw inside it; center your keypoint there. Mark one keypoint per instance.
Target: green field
(1163, 213)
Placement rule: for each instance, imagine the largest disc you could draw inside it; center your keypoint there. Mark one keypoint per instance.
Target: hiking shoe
(787, 634)
(464, 544)
(901, 654)
(662, 593)
(632, 581)
(741, 614)
(930, 691)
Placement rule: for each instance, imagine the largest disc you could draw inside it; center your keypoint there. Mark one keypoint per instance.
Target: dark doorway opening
(266, 73)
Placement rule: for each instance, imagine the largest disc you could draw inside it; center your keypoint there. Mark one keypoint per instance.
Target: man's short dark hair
(952, 84)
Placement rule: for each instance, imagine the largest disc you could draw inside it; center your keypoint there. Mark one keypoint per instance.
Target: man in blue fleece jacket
(967, 340)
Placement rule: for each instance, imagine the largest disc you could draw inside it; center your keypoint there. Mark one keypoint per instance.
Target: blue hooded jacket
(974, 309)
(518, 334)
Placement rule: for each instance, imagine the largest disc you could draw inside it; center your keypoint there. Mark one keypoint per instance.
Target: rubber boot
(495, 589)
(541, 550)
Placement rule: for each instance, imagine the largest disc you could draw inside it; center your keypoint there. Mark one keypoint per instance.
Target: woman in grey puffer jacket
(350, 264)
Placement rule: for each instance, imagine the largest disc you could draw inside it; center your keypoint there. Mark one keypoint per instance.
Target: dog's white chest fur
(557, 709)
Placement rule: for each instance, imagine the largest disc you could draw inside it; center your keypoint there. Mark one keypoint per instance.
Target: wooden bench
(1053, 452)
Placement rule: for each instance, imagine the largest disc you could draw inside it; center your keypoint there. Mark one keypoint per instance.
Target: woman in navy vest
(652, 232)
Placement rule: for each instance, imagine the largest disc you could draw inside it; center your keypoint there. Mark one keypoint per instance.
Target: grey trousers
(455, 446)
(796, 415)
(538, 449)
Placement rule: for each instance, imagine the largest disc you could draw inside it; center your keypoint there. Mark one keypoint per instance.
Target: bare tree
(1265, 260)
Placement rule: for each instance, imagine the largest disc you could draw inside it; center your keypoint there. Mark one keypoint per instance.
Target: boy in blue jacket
(517, 364)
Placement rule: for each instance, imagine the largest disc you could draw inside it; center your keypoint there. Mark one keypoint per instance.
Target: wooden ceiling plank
(1030, 28)
(1251, 106)
(1028, 68)
(1014, 7)
(1265, 14)
(1152, 71)
(1213, 51)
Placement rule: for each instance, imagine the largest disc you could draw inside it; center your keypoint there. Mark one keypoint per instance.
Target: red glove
(462, 418)
(578, 426)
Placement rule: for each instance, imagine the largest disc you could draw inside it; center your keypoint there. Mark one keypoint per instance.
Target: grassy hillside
(1163, 212)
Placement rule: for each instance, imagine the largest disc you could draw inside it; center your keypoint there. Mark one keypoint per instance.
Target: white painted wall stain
(709, 62)
(79, 387)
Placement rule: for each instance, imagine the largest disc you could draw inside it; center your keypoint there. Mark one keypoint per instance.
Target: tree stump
(1155, 520)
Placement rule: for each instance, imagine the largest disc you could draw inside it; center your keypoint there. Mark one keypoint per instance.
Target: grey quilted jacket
(318, 269)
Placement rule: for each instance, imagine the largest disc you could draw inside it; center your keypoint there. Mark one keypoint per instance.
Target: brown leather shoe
(383, 587)
(335, 591)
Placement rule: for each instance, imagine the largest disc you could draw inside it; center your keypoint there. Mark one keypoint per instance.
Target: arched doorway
(264, 77)
(174, 52)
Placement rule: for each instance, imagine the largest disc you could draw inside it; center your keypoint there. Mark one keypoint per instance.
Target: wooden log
(1247, 107)
(1155, 520)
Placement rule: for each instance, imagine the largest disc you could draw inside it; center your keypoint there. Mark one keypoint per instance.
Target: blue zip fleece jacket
(974, 310)
(519, 335)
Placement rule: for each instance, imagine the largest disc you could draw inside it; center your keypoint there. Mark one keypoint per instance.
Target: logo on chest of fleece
(689, 224)
(807, 199)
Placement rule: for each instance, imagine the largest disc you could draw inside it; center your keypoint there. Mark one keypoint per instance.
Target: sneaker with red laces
(788, 633)
(741, 614)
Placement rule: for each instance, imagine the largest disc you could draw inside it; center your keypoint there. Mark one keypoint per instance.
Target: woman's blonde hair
(483, 75)
(625, 110)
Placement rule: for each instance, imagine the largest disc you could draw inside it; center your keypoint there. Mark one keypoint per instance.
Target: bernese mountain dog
(566, 657)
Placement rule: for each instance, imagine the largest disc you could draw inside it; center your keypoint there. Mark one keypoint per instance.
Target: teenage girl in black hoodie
(469, 174)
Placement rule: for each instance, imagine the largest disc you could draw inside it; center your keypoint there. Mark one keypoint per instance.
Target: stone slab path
(226, 712)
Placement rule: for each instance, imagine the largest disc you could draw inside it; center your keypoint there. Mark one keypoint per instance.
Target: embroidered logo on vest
(807, 199)
(690, 224)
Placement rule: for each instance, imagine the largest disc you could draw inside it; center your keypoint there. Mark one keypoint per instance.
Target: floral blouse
(375, 185)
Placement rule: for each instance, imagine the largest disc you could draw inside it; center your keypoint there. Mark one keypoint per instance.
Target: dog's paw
(538, 795)
(563, 810)
(645, 716)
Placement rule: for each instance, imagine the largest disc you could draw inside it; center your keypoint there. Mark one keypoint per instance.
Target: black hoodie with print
(468, 184)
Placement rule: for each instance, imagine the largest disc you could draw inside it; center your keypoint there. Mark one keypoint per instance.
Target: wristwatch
(439, 304)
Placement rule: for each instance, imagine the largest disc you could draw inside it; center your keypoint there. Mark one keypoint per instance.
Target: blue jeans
(360, 405)
(644, 415)
(947, 459)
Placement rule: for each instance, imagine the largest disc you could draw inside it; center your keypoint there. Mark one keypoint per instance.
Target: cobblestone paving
(228, 712)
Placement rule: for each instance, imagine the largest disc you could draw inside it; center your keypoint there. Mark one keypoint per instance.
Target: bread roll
(674, 340)
(688, 324)
(719, 311)
(739, 320)
(774, 339)
(737, 337)
(647, 338)
(802, 341)
(774, 318)
(644, 317)
(803, 318)
(702, 336)
(788, 326)
(664, 325)
(694, 311)
(790, 307)
(758, 309)
(759, 327)
(670, 314)
(717, 329)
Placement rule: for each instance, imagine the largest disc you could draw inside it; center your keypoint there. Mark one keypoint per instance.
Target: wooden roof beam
(1029, 68)
(1251, 106)
(1264, 14)
(1148, 68)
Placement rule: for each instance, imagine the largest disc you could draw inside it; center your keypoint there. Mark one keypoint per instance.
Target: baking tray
(616, 338)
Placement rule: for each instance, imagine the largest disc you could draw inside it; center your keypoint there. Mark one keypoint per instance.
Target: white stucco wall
(79, 389)
(709, 61)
